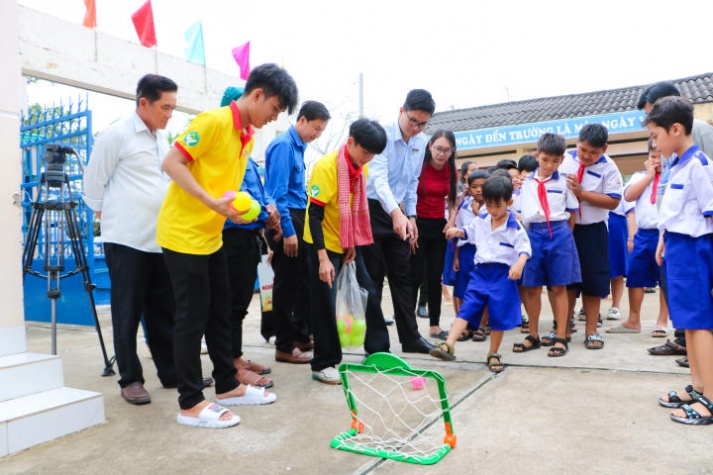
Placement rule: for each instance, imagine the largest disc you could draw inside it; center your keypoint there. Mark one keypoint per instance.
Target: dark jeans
(391, 254)
(327, 349)
(140, 286)
(290, 290)
(427, 264)
(200, 284)
(243, 252)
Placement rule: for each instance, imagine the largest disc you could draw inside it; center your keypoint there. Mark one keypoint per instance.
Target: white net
(395, 409)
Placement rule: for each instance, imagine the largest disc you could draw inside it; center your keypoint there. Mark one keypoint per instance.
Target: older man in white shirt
(125, 186)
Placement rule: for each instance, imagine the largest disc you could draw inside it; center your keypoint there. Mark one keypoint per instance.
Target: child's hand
(455, 232)
(456, 264)
(516, 271)
(660, 252)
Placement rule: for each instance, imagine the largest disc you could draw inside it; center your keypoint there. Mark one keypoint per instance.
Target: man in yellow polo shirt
(206, 161)
(337, 225)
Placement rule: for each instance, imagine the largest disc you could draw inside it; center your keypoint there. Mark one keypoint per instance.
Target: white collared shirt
(465, 216)
(647, 215)
(393, 174)
(125, 182)
(560, 199)
(602, 176)
(687, 205)
(502, 245)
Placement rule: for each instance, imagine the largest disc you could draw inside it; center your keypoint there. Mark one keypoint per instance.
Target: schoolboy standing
(685, 250)
(207, 160)
(548, 213)
(595, 180)
(337, 227)
(502, 248)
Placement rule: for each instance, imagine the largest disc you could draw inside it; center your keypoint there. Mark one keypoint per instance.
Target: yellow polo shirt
(217, 151)
(322, 189)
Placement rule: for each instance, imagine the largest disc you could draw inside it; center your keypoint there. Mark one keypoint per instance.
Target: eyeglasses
(415, 123)
(441, 150)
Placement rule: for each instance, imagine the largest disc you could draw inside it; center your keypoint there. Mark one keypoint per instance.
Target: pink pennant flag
(143, 22)
(242, 57)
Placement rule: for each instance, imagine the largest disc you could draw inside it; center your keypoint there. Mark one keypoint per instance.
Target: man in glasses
(391, 190)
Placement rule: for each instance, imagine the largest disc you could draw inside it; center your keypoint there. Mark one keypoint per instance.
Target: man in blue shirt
(391, 189)
(285, 182)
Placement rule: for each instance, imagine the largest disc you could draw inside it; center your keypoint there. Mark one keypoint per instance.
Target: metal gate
(69, 126)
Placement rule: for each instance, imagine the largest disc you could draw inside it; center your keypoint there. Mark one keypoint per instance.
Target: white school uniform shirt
(517, 201)
(561, 200)
(124, 181)
(502, 245)
(465, 216)
(600, 177)
(647, 215)
(687, 204)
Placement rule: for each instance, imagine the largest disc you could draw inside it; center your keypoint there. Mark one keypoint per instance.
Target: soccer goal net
(395, 411)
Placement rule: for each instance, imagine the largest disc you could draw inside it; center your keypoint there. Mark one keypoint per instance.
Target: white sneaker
(328, 375)
(614, 314)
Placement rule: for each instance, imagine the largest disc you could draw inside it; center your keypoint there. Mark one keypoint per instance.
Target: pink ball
(417, 382)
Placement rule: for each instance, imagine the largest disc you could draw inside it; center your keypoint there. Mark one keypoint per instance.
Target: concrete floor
(588, 412)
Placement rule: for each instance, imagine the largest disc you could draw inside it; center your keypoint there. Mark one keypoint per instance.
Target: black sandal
(494, 363)
(558, 350)
(443, 351)
(467, 334)
(522, 347)
(694, 417)
(480, 335)
(594, 341)
(675, 402)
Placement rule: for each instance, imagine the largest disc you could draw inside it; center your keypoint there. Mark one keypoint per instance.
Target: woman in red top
(436, 186)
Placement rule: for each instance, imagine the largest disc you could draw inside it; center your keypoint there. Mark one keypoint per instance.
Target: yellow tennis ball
(242, 202)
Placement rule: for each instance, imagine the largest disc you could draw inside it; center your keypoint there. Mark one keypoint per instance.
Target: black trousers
(427, 264)
(290, 290)
(200, 284)
(140, 286)
(243, 252)
(391, 255)
(327, 348)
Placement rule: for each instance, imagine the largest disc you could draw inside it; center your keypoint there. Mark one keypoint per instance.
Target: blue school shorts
(643, 269)
(554, 260)
(466, 256)
(592, 242)
(449, 275)
(490, 287)
(688, 268)
(618, 235)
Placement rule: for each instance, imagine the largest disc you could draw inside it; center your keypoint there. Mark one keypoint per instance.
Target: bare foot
(195, 411)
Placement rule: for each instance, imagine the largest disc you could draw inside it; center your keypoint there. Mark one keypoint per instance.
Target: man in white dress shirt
(125, 186)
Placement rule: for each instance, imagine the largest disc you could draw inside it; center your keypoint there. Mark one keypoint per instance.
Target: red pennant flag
(143, 22)
(242, 57)
(90, 18)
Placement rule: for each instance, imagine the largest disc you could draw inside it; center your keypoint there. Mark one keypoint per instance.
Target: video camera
(55, 157)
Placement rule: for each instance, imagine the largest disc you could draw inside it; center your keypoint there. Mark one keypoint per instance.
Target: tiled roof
(696, 88)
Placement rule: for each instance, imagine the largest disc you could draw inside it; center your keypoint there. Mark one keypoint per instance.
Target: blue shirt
(253, 185)
(285, 176)
(393, 174)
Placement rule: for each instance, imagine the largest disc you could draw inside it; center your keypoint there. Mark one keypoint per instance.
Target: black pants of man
(200, 284)
(327, 348)
(140, 286)
(428, 261)
(391, 255)
(290, 290)
(243, 252)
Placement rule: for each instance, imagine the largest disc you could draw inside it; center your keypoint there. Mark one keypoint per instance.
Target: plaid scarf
(354, 220)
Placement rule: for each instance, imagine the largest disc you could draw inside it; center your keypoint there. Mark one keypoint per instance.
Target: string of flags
(143, 21)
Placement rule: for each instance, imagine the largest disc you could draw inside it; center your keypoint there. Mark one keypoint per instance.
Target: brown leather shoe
(135, 393)
(296, 357)
(304, 345)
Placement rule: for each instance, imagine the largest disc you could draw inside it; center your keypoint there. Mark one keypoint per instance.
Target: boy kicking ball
(502, 248)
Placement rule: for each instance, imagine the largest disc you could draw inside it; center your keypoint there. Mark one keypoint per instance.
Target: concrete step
(28, 373)
(31, 420)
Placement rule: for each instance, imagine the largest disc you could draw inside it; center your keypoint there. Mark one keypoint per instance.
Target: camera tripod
(52, 217)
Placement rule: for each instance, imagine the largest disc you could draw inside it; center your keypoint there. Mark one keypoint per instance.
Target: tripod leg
(81, 260)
